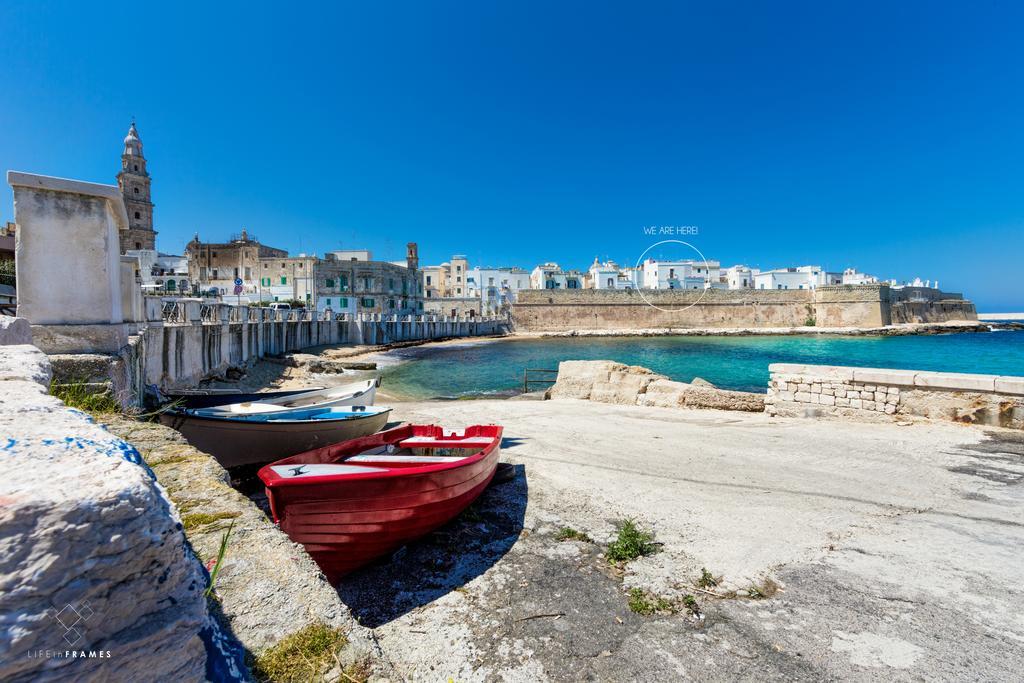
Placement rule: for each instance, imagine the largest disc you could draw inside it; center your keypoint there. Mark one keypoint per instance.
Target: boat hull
(347, 523)
(236, 443)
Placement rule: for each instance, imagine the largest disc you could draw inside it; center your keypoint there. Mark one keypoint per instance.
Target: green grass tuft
(646, 604)
(707, 579)
(630, 543)
(82, 395)
(306, 655)
(569, 534)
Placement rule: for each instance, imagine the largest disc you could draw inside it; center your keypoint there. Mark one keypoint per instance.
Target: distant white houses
(161, 273)
(609, 275)
(739, 277)
(497, 288)
(852, 277)
(801, 277)
(681, 274)
(551, 276)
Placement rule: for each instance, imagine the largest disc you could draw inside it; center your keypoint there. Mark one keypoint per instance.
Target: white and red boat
(353, 502)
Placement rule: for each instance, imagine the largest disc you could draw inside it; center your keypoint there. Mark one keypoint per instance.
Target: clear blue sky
(886, 136)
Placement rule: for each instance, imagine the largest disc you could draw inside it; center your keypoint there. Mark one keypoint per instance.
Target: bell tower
(133, 180)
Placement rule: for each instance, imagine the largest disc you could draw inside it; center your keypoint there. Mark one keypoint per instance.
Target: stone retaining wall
(882, 394)
(864, 306)
(606, 381)
(92, 555)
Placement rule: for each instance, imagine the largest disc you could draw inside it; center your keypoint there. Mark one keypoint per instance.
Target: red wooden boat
(358, 500)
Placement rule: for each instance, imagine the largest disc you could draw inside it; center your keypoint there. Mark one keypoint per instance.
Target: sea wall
(190, 341)
(881, 394)
(606, 381)
(94, 568)
(863, 306)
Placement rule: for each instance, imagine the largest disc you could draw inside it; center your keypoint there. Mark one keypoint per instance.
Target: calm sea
(728, 362)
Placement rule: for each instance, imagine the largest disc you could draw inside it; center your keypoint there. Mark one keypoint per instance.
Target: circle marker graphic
(640, 290)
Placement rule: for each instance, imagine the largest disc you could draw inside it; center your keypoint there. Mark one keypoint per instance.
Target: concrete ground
(898, 550)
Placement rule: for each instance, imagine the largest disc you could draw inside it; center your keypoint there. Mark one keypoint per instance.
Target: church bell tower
(134, 183)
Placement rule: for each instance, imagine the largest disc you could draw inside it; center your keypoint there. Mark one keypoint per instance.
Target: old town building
(216, 265)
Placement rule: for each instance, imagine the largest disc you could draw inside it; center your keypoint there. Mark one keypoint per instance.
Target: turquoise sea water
(727, 362)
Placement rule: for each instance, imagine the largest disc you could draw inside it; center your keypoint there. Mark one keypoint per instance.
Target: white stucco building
(161, 273)
(497, 288)
(852, 277)
(802, 277)
(739, 277)
(686, 274)
(551, 276)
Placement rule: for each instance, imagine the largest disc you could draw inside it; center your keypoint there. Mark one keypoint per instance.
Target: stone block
(855, 403)
(802, 397)
(827, 400)
(878, 376)
(841, 393)
(787, 396)
(880, 395)
(14, 331)
(96, 536)
(817, 371)
(815, 388)
(870, 388)
(1010, 385)
(890, 408)
(842, 402)
(24, 362)
(868, 405)
(955, 381)
(576, 378)
(663, 393)
(705, 397)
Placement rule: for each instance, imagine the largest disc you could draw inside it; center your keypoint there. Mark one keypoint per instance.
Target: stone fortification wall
(538, 310)
(92, 556)
(606, 381)
(880, 394)
(926, 305)
(863, 306)
(851, 306)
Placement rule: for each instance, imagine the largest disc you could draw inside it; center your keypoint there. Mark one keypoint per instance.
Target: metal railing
(527, 381)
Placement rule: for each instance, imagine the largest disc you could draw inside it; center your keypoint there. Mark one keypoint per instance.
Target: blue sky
(886, 136)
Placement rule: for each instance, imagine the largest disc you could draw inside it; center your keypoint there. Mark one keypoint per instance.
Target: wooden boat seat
(293, 471)
(402, 458)
(442, 442)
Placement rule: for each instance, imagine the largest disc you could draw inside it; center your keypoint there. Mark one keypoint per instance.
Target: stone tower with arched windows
(134, 183)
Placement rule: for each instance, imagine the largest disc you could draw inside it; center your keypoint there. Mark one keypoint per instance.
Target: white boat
(355, 394)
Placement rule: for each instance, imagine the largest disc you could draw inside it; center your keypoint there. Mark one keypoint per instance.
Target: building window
(329, 283)
(343, 283)
(391, 284)
(214, 277)
(343, 302)
(428, 279)
(236, 272)
(136, 167)
(136, 190)
(391, 303)
(327, 302)
(367, 303)
(284, 279)
(139, 215)
(138, 245)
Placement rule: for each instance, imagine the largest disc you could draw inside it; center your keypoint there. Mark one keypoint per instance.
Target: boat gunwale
(236, 418)
(272, 479)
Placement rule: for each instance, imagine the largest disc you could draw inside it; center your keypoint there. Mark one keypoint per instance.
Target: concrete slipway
(900, 551)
